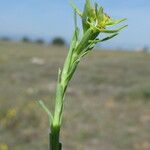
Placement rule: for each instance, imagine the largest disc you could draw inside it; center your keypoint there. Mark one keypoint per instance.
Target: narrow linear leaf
(112, 31)
(114, 22)
(59, 75)
(43, 106)
(75, 8)
(109, 37)
(96, 8)
(71, 49)
(75, 19)
(104, 39)
(72, 70)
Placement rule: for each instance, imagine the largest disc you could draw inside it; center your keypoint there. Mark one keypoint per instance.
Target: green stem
(54, 138)
(61, 90)
(59, 103)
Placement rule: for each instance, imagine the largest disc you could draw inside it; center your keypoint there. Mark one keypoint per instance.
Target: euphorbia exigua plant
(94, 22)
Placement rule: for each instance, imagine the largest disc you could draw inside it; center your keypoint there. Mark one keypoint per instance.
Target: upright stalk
(54, 143)
(62, 84)
(94, 22)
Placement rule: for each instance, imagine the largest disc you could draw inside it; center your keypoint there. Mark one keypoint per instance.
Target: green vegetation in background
(100, 91)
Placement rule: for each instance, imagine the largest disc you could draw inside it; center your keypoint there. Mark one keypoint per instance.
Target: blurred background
(108, 101)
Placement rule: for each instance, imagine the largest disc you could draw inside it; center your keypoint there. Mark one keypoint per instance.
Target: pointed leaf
(100, 14)
(76, 8)
(72, 70)
(43, 106)
(114, 22)
(109, 37)
(112, 31)
(86, 15)
(69, 56)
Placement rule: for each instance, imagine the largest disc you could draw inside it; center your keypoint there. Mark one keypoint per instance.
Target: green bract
(94, 22)
(95, 18)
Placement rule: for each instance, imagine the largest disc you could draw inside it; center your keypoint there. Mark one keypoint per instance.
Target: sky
(50, 18)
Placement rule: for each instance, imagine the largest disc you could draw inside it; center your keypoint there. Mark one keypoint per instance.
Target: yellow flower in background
(3, 146)
(11, 113)
(6, 119)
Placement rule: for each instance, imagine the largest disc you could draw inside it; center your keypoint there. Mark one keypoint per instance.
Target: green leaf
(59, 75)
(100, 14)
(70, 53)
(75, 19)
(96, 8)
(72, 69)
(109, 37)
(59, 102)
(43, 106)
(85, 16)
(112, 31)
(74, 39)
(85, 53)
(75, 8)
(114, 22)
(93, 42)
(88, 7)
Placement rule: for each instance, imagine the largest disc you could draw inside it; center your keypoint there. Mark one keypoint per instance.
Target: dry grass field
(107, 105)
